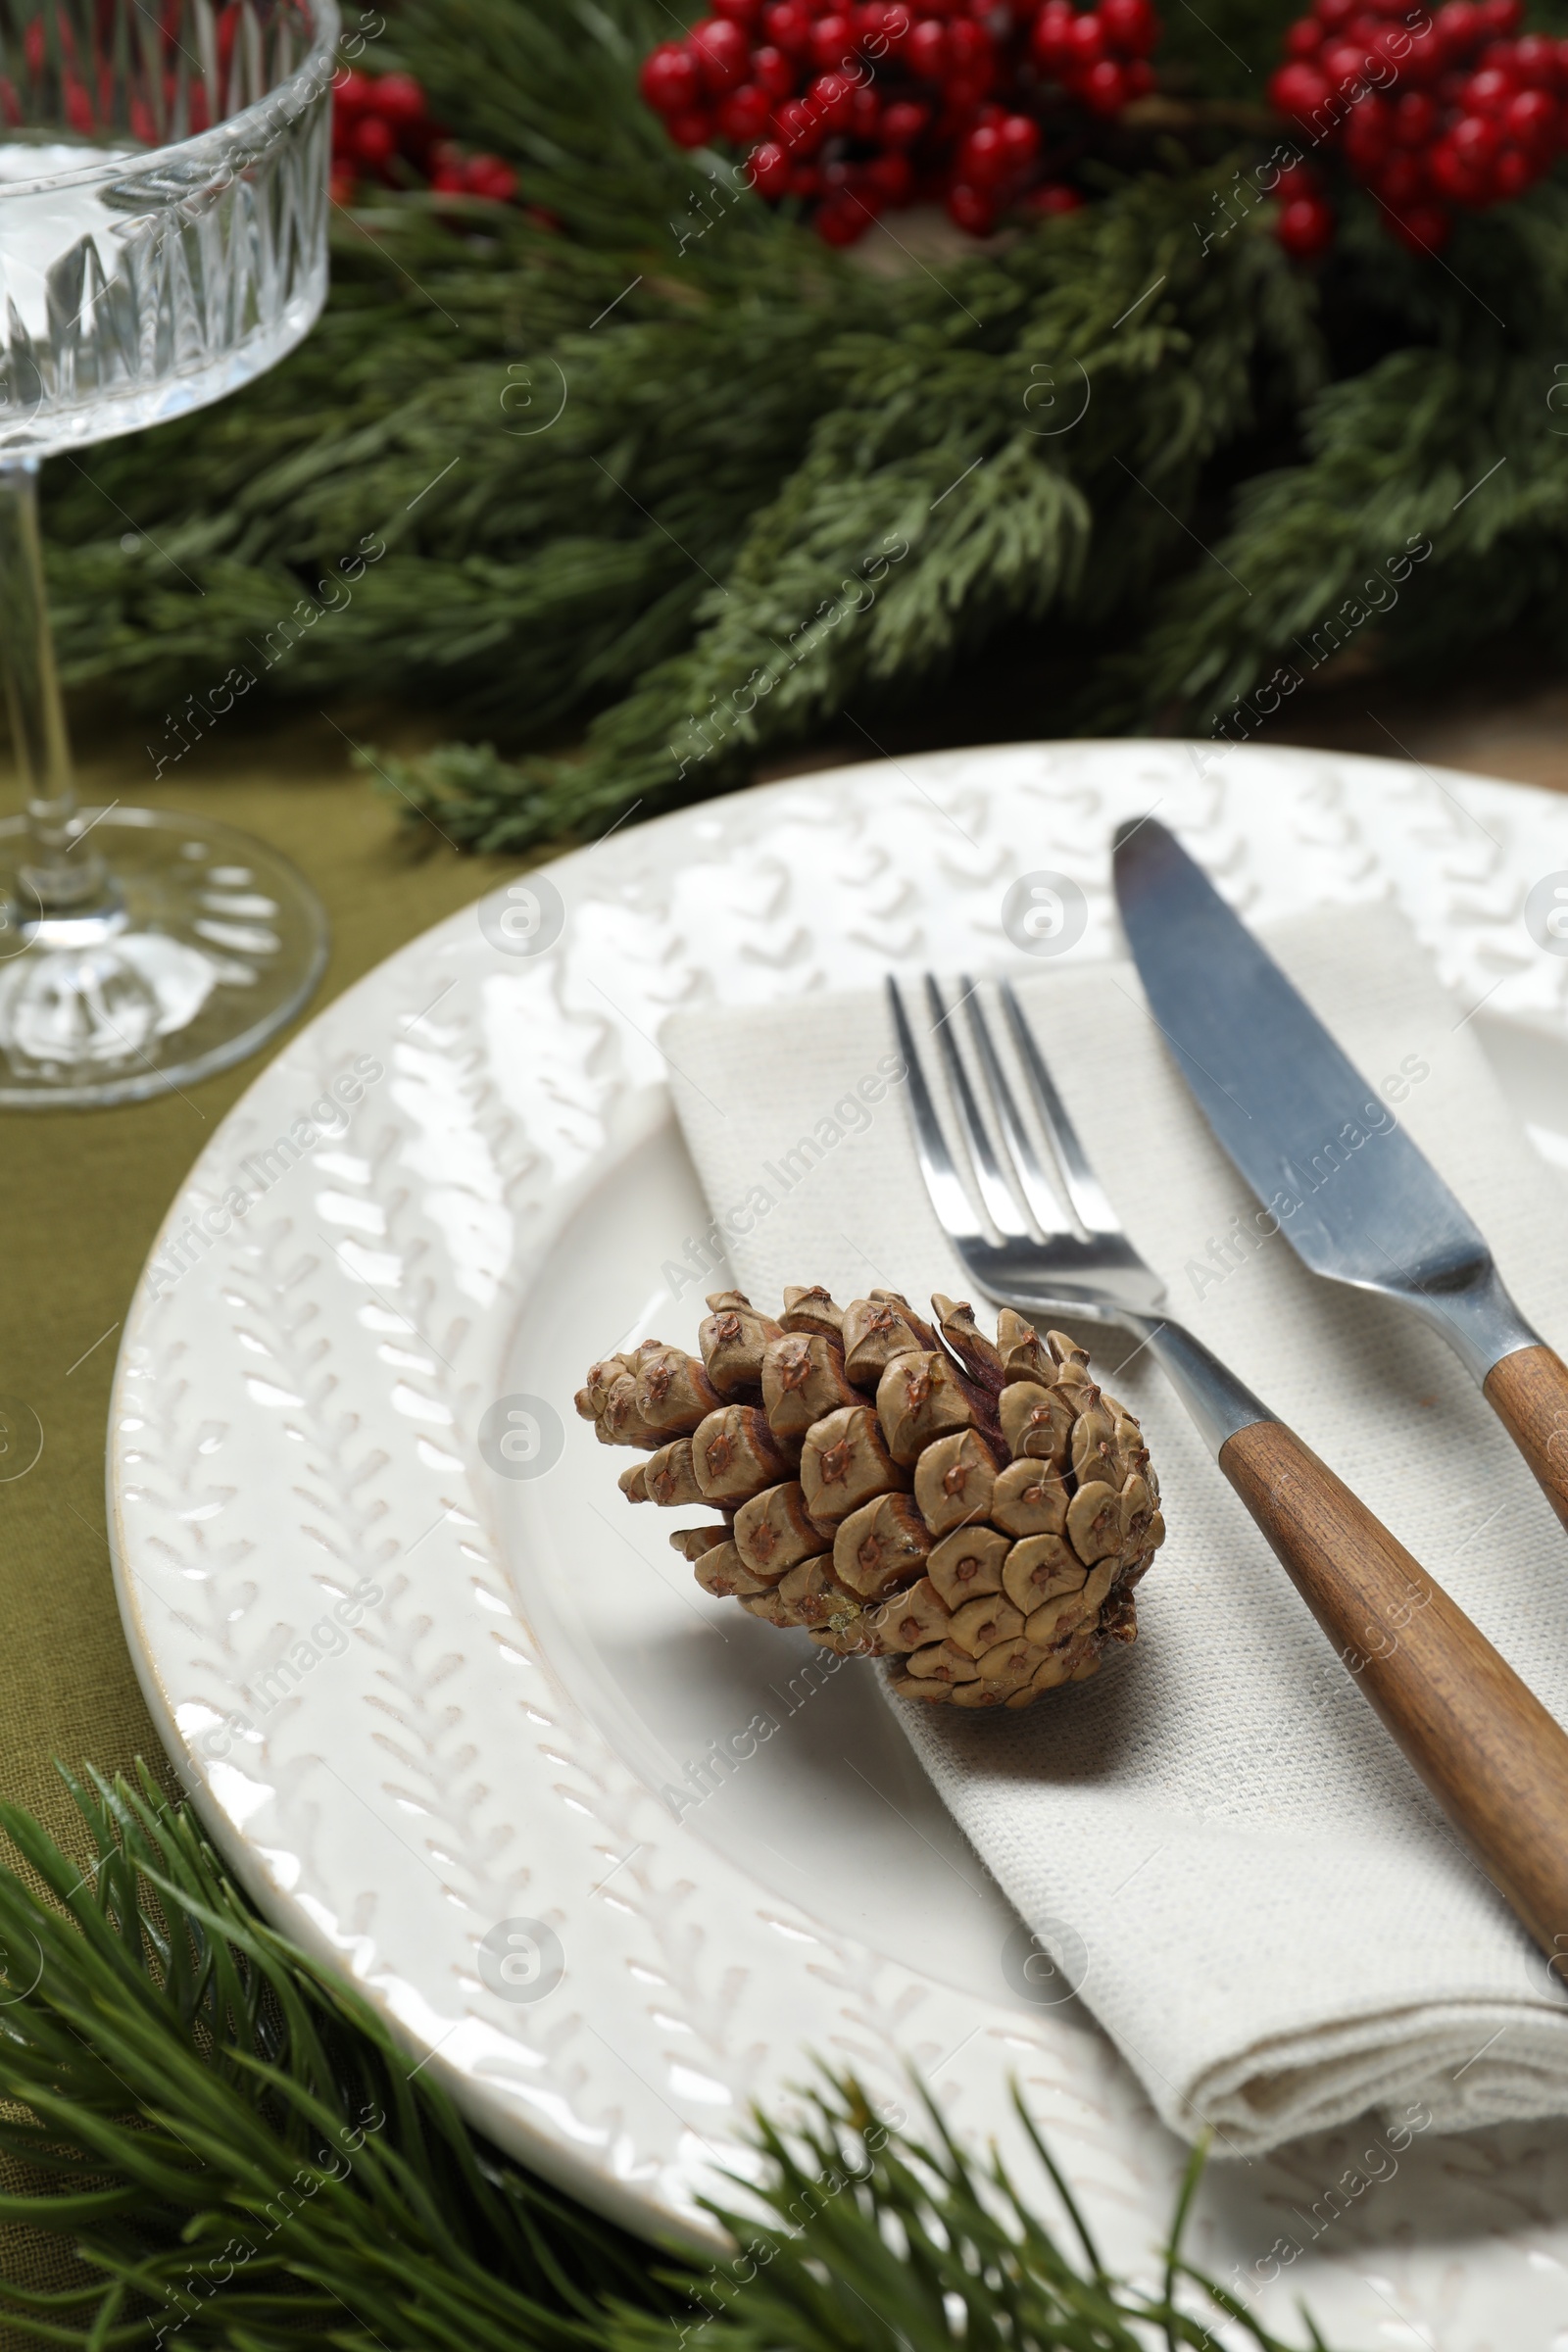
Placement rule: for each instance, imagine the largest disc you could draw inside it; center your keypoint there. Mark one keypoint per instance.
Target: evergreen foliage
(233, 2143)
(779, 486)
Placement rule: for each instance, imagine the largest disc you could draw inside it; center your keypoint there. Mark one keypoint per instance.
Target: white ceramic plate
(317, 1400)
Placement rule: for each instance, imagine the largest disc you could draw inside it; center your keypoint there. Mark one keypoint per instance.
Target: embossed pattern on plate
(426, 1786)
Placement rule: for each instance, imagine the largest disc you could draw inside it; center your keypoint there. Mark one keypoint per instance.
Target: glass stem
(60, 877)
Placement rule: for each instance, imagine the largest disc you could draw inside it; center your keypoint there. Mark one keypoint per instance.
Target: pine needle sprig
(252, 2150)
(232, 2140)
(887, 2237)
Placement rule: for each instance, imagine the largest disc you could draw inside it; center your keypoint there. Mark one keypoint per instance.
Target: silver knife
(1303, 1127)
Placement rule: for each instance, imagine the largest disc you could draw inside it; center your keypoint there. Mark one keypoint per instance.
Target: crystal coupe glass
(163, 239)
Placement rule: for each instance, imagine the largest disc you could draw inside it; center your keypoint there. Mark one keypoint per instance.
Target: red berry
(1305, 228)
(866, 114)
(879, 22)
(903, 122)
(1140, 74)
(1367, 133)
(488, 175)
(842, 220)
(892, 176)
(1512, 173)
(831, 98)
(745, 113)
(972, 209)
(1298, 90)
(1488, 91)
(1345, 64)
(1476, 137)
(694, 129)
(1386, 42)
(1535, 61)
(1335, 15)
(1458, 26)
(1415, 118)
(969, 51)
(350, 96)
(374, 142)
(1088, 38)
(1424, 61)
(1305, 38)
(832, 41)
(806, 181)
(1424, 228)
(769, 168)
(1052, 35)
(1131, 25)
(743, 12)
(340, 187)
(1400, 179)
(788, 27)
(981, 158)
(927, 49)
(1104, 88)
(796, 127)
(721, 52)
(1053, 199)
(774, 72)
(400, 101)
(670, 80)
(1531, 118)
(1456, 175)
(1501, 16)
(1020, 140)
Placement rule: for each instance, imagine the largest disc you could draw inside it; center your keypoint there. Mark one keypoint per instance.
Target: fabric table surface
(1267, 1910)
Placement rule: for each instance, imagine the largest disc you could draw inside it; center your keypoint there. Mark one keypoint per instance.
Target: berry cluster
(853, 106)
(382, 129)
(1430, 113)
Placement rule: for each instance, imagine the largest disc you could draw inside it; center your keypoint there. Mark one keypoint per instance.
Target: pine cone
(977, 1510)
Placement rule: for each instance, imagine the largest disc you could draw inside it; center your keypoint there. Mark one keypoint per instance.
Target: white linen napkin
(1270, 1916)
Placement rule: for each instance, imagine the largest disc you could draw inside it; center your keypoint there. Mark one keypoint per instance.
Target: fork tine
(955, 1211)
(1043, 1201)
(995, 1191)
(1083, 1188)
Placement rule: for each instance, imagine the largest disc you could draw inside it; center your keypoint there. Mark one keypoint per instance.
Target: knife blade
(1356, 1200)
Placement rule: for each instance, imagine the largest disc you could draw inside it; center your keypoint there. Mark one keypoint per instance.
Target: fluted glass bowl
(162, 205)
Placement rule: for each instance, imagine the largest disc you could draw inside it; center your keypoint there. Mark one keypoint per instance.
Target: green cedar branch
(1026, 437)
(1457, 445)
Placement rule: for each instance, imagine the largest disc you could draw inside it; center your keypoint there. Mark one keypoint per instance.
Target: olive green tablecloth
(85, 1193)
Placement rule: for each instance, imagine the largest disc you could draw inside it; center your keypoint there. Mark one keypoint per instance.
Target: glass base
(202, 945)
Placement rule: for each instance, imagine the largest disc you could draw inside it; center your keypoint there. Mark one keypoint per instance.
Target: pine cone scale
(977, 1511)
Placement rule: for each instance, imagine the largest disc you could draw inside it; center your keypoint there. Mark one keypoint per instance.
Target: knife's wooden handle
(1483, 1743)
(1528, 1392)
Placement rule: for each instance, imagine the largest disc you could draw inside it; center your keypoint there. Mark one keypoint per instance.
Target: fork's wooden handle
(1528, 1392)
(1483, 1743)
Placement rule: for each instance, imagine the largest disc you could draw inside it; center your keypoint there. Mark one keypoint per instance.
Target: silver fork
(1089, 1270)
(1495, 1759)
